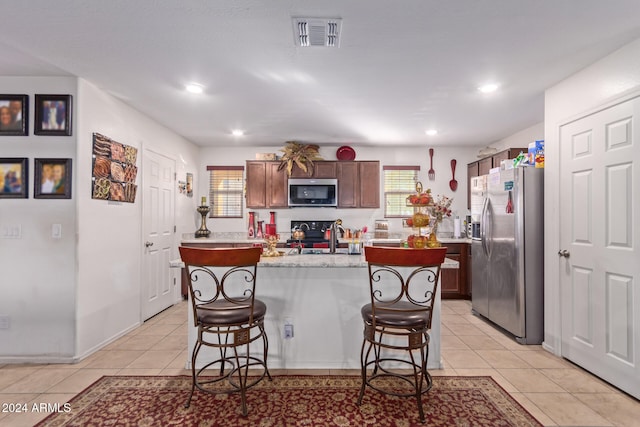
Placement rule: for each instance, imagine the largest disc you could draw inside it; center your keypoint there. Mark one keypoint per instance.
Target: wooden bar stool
(403, 284)
(228, 317)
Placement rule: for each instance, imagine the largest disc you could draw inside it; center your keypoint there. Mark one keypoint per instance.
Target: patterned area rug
(289, 401)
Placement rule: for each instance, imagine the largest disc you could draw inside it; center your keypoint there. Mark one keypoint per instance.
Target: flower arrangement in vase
(440, 208)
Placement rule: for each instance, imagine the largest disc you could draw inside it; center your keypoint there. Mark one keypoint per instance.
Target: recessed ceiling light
(237, 132)
(488, 88)
(431, 132)
(194, 88)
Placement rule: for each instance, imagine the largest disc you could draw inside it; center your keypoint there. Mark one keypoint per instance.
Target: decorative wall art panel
(114, 170)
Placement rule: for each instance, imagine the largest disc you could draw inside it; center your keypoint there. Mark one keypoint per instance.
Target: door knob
(147, 244)
(564, 253)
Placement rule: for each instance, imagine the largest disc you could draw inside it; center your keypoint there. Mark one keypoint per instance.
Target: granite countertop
(440, 239)
(242, 238)
(223, 238)
(328, 261)
(319, 260)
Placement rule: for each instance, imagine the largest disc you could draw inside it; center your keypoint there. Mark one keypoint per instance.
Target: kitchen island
(321, 296)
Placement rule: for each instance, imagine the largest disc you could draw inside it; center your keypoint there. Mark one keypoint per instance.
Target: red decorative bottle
(252, 227)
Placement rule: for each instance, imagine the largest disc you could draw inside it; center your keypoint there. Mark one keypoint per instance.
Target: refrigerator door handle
(483, 226)
(488, 228)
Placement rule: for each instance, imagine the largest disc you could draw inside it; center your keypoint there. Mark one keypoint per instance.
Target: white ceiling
(402, 66)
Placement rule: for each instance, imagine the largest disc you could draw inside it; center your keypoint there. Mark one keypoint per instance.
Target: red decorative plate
(345, 153)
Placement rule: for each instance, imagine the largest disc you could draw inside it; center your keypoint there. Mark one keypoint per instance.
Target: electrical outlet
(5, 322)
(288, 331)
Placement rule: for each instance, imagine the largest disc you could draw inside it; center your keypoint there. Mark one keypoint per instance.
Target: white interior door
(599, 273)
(159, 220)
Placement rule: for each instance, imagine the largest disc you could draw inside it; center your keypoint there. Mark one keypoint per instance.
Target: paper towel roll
(456, 227)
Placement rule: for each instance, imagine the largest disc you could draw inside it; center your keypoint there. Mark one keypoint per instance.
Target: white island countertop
(243, 239)
(317, 260)
(327, 261)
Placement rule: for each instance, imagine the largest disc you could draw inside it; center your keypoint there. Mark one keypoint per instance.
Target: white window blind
(399, 183)
(225, 191)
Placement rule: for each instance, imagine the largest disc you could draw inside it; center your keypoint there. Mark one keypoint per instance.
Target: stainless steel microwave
(313, 192)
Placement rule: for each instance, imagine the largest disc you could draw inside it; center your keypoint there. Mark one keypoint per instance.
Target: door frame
(552, 303)
(175, 273)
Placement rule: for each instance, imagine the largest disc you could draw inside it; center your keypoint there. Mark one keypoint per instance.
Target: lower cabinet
(455, 283)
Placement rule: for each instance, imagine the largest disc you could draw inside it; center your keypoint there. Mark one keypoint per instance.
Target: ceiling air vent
(317, 31)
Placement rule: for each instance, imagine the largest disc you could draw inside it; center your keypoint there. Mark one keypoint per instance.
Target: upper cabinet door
(320, 169)
(485, 165)
(347, 184)
(472, 171)
(369, 184)
(325, 170)
(256, 196)
(277, 187)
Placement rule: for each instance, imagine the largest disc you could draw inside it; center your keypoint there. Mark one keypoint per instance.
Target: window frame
(399, 194)
(235, 193)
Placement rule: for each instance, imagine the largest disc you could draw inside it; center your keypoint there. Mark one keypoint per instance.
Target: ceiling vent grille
(317, 31)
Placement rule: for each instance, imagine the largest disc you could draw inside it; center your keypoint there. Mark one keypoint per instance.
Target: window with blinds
(225, 191)
(399, 183)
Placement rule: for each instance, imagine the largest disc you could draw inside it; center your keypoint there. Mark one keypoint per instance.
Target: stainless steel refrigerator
(507, 251)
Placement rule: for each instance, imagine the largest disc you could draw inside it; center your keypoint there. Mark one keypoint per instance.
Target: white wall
(67, 297)
(37, 272)
(110, 233)
(521, 138)
(610, 78)
(352, 218)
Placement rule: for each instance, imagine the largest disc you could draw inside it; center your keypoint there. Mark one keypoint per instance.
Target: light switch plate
(56, 231)
(11, 232)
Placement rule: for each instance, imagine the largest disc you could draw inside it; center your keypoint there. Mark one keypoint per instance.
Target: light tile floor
(555, 391)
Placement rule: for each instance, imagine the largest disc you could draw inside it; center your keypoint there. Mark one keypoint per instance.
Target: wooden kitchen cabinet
(472, 172)
(266, 185)
(369, 184)
(276, 186)
(455, 283)
(450, 280)
(256, 195)
(510, 153)
(483, 166)
(358, 184)
(321, 169)
(347, 184)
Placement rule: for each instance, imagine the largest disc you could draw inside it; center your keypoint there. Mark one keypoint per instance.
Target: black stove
(314, 234)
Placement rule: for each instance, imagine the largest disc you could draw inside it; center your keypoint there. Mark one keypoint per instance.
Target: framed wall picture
(189, 184)
(53, 115)
(14, 178)
(14, 115)
(52, 179)
(114, 170)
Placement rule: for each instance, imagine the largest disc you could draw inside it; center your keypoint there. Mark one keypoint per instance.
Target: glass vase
(252, 230)
(432, 241)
